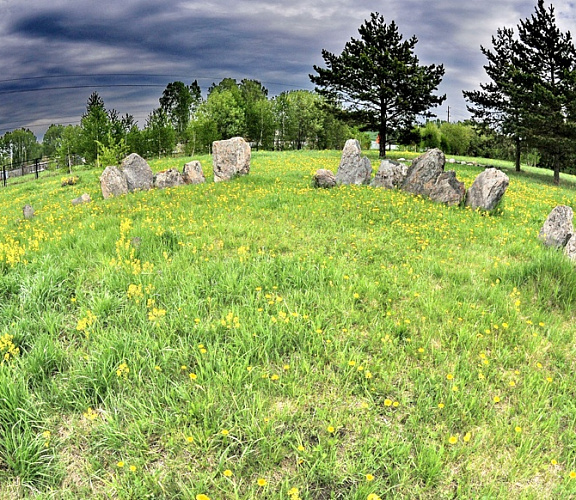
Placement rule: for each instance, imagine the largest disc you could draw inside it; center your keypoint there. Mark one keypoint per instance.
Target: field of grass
(262, 339)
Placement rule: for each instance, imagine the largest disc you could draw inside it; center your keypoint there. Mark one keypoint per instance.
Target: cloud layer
(150, 43)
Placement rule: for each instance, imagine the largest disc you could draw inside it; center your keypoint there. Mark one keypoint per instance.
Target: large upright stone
(390, 175)
(487, 189)
(230, 158)
(192, 173)
(168, 179)
(113, 182)
(324, 179)
(353, 168)
(558, 227)
(137, 172)
(447, 189)
(424, 172)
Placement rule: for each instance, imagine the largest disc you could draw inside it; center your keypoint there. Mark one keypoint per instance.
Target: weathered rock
(168, 178)
(230, 158)
(390, 175)
(28, 212)
(324, 179)
(487, 189)
(570, 248)
(447, 189)
(558, 227)
(424, 172)
(137, 172)
(113, 182)
(353, 168)
(192, 173)
(85, 198)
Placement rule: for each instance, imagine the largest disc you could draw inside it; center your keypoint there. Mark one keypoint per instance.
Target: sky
(53, 55)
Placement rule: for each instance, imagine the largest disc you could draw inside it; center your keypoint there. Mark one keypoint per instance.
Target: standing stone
(192, 173)
(353, 168)
(28, 212)
(168, 178)
(324, 179)
(447, 189)
(390, 175)
(558, 228)
(85, 198)
(424, 172)
(137, 171)
(570, 248)
(488, 189)
(113, 182)
(230, 158)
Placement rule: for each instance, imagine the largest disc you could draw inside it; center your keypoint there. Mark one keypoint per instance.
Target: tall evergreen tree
(95, 125)
(547, 60)
(497, 106)
(380, 76)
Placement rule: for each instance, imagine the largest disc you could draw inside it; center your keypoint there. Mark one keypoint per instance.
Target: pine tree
(497, 106)
(547, 64)
(380, 77)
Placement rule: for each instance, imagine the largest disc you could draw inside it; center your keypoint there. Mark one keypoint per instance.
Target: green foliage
(430, 136)
(19, 146)
(95, 128)
(113, 152)
(379, 76)
(532, 90)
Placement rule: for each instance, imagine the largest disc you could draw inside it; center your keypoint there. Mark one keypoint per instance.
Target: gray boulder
(353, 168)
(570, 248)
(168, 178)
(390, 175)
(192, 173)
(558, 228)
(324, 179)
(113, 182)
(137, 172)
(85, 198)
(488, 189)
(447, 189)
(423, 173)
(28, 212)
(230, 158)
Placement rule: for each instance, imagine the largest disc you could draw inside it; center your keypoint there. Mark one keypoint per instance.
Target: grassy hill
(261, 339)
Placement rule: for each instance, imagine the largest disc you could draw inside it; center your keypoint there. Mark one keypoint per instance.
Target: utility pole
(448, 114)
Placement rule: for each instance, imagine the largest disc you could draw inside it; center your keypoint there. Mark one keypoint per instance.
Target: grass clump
(262, 339)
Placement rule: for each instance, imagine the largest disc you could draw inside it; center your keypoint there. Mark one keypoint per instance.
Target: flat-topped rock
(230, 158)
(390, 175)
(168, 179)
(324, 179)
(192, 173)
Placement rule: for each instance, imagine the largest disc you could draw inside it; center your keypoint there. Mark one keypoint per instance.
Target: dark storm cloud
(274, 42)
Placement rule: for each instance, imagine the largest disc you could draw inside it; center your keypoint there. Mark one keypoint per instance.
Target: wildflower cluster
(86, 322)
(8, 350)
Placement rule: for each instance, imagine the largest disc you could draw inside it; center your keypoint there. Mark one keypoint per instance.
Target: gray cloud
(275, 42)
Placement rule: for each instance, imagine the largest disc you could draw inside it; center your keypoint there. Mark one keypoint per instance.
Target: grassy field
(261, 339)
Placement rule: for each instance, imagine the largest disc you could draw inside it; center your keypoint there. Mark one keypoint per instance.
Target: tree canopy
(532, 90)
(379, 77)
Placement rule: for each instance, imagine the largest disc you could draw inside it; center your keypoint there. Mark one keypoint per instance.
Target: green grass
(344, 342)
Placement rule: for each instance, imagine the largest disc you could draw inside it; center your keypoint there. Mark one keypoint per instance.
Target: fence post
(4, 175)
(36, 167)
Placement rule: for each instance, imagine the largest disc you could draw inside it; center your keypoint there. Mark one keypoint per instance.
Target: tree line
(186, 122)
(526, 110)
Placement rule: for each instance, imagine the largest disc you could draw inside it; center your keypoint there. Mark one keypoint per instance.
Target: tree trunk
(383, 139)
(556, 173)
(518, 151)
